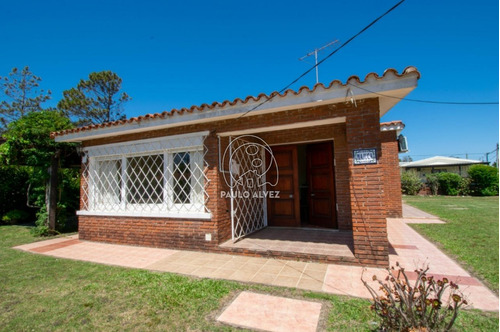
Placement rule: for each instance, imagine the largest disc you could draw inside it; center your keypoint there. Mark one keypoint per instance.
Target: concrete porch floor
(297, 240)
(409, 248)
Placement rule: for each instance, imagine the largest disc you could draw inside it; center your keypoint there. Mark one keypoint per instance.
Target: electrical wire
(324, 59)
(426, 101)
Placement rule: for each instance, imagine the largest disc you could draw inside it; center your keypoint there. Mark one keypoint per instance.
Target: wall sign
(365, 156)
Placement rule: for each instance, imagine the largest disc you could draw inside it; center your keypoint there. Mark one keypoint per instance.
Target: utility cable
(427, 101)
(324, 59)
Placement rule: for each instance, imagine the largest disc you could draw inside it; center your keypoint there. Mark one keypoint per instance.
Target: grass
(470, 234)
(43, 293)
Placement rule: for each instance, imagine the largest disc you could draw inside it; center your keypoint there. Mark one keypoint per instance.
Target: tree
(95, 100)
(484, 180)
(406, 159)
(21, 96)
(28, 143)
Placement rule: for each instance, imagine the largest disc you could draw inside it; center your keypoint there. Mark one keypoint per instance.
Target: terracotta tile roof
(392, 125)
(225, 103)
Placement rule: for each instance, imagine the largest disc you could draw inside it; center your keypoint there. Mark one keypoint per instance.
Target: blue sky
(174, 54)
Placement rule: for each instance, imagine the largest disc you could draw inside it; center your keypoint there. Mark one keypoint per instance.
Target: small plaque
(365, 156)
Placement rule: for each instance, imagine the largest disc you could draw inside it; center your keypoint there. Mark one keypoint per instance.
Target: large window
(129, 180)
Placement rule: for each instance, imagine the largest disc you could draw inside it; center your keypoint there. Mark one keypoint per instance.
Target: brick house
(212, 174)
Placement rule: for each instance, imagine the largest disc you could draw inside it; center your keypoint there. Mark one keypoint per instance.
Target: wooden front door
(321, 192)
(285, 210)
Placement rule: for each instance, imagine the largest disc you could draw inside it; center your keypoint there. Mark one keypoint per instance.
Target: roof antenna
(353, 100)
(315, 52)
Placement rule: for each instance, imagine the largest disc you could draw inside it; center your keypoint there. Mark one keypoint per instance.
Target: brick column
(366, 184)
(392, 184)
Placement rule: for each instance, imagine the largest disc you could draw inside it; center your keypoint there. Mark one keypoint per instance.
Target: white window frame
(191, 143)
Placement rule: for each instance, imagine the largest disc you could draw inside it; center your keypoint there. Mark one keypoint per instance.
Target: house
(199, 177)
(440, 164)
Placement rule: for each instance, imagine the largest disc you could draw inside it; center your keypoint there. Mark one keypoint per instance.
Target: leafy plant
(450, 183)
(410, 183)
(15, 216)
(28, 144)
(484, 180)
(432, 182)
(427, 305)
(13, 188)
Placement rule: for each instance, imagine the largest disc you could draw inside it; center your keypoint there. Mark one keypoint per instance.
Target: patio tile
(205, 271)
(316, 267)
(264, 278)
(223, 273)
(310, 284)
(275, 269)
(186, 269)
(242, 276)
(290, 271)
(251, 268)
(286, 281)
(311, 274)
(271, 313)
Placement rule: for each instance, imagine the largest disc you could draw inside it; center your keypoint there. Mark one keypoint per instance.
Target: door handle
(312, 195)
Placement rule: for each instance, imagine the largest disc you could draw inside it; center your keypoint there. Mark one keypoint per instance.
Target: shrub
(410, 183)
(450, 183)
(15, 216)
(427, 305)
(484, 180)
(432, 182)
(13, 187)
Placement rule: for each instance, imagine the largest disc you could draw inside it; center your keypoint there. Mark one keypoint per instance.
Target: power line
(324, 59)
(426, 101)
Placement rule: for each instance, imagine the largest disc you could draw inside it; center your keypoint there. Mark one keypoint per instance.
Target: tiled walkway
(408, 248)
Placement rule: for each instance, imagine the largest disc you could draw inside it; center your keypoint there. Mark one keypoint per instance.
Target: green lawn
(41, 293)
(470, 234)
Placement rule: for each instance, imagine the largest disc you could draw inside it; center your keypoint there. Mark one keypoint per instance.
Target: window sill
(173, 215)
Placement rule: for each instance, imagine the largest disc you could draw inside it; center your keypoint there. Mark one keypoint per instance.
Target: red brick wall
(392, 184)
(367, 187)
(151, 232)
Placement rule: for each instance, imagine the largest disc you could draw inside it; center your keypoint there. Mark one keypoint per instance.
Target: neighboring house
(440, 164)
(165, 180)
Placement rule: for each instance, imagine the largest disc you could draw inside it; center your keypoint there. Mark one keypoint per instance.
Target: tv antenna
(315, 52)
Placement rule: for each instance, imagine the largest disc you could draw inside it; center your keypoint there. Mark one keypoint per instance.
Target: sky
(174, 54)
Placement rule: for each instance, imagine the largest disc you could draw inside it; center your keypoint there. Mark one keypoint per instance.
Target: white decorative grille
(147, 176)
(247, 169)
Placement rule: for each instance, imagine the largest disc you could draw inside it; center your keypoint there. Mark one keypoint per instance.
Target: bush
(432, 182)
(484, 180)
(410, 183)
(13, 188)
(427, 305)
(450, 183)
(15, 217)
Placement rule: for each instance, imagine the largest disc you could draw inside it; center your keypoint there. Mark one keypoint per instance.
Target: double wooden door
(285, 210)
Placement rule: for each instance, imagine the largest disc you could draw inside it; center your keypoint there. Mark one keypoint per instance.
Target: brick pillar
(366, 184)
(392, 184)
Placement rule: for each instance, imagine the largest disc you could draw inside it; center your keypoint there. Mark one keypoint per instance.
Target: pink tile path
(271, 313)
(408, 248)
(413, 215)
(103, 253)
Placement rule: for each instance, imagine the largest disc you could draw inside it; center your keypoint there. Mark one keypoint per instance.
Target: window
(181, 178)
(145, 179)
(130, 180)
